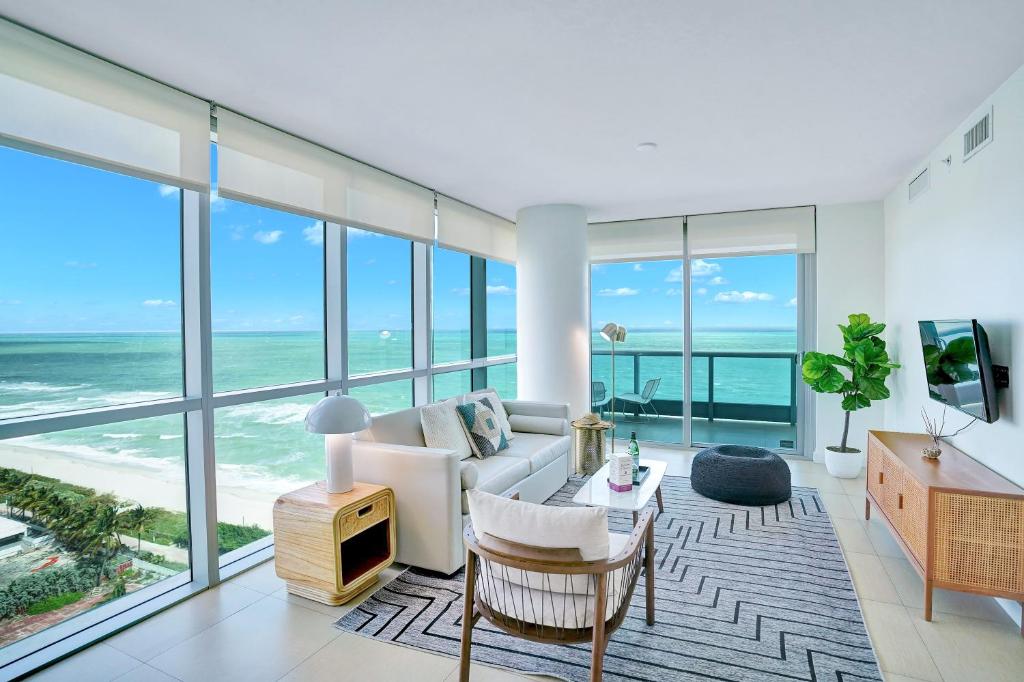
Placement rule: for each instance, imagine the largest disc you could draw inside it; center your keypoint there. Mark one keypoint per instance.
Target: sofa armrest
(427, 487)
(530, 408)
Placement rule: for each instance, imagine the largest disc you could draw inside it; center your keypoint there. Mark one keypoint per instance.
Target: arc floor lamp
(613, 333)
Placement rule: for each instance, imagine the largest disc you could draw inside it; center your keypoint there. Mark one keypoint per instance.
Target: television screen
(958, 366)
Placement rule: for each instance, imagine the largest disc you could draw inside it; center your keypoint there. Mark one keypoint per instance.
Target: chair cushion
(583, 528)
(524, 423)
(741, 475)
(442, 428)
(499, 408)
(538, 449)
(559, 600)
(482, 428)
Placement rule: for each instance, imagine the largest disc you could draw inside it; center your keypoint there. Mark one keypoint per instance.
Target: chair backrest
(597, 391)
(650, 387)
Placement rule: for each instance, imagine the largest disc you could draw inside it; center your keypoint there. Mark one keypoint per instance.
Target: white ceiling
(507, 104)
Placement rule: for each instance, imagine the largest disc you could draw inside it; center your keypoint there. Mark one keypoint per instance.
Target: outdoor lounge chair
(644, 401)
(599, 397)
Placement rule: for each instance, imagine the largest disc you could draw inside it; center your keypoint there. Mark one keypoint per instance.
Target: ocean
(262, 446)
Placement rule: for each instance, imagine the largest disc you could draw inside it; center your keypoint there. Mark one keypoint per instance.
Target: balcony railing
(783, 410)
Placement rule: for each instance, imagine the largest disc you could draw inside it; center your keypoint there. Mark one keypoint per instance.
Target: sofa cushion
(497, 474)
(442, 428)
(583, 528)
(486, 438)
(398, 428)
(523, 423)
(499, 408)
(538, 449)
(469, 474)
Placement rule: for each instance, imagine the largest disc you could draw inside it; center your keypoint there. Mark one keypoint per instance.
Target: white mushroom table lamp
(338, 417)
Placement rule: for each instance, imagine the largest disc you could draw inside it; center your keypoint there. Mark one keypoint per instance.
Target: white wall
(849, 279)
(957, 251)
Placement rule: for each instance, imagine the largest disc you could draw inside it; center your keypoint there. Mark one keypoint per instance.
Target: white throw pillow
(585, 528)
(442, 428)
(496, 405)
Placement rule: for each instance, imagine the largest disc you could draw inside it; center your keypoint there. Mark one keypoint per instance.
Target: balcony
(746, 398)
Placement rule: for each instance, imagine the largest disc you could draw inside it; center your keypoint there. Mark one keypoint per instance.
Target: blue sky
(754, 292)
(88, 250)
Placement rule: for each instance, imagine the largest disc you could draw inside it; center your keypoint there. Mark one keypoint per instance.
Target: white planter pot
(844, 464)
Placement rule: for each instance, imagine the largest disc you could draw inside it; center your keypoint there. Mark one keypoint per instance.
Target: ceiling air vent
(919, 184)
(979, 135)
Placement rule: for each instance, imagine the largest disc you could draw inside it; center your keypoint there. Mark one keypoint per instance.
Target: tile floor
(250, 629)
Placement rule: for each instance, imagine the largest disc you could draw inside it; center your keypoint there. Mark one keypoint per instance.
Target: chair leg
(649, 582)
(661, 503)
(467, 618)
(599, 641)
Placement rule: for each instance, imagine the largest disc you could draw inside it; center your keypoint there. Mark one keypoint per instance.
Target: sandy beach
(142, 484)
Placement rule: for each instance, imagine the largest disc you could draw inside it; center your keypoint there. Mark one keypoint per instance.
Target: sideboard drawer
(875, 475)
(913, 521)
(979, 541)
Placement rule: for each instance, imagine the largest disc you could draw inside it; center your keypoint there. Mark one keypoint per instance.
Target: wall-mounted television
(959, 367)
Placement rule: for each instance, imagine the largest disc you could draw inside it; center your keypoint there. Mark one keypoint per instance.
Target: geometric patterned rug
(742, 593)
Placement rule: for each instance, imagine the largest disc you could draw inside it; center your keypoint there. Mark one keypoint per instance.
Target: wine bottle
(634, 452)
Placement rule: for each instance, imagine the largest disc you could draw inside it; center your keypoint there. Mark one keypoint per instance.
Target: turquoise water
(263, 446)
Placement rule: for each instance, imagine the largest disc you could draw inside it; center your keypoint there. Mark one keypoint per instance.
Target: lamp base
(338, 449)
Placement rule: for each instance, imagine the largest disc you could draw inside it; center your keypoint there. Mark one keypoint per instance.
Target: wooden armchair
(553, 596)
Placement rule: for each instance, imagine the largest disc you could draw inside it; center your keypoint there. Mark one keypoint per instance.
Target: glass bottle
(634, 452)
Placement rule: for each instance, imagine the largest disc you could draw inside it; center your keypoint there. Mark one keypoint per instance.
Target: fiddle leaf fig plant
(858, 375)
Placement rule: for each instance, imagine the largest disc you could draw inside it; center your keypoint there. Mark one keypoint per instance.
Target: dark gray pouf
(741, 474)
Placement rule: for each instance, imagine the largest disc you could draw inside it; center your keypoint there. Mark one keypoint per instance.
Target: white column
(553, 306)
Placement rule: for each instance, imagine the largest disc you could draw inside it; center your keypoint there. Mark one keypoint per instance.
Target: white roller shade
(60, 101)
(751, 233)
(258, 164)
(655, 239)
(464, 228)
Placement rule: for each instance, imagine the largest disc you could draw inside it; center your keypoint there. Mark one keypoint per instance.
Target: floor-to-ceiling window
(90, 317)
(646, 298)
(745, 381)
(501, 325)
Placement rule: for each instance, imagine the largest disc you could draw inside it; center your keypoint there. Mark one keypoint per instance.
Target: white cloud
(271, 237)
(314, 234)
(500, 289)
(167, 190)
(216, 203)
(158, 303)
(742, 296)
(637, 267)
(392, 282)
(702, 291)
(718, 281)
(237, 232)
(698, 268)
(294, 319)
(357, 233)
(621, 291)
(462, 291)
(673, 292)
(791, 303)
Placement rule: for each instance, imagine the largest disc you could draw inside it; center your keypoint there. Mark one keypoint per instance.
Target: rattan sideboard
(960, 524)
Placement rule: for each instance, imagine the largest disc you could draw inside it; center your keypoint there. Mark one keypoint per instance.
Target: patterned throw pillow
(485, 435)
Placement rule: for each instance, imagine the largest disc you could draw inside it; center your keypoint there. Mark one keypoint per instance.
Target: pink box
(620, 488)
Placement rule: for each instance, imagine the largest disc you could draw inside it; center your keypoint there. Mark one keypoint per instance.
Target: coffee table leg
(661, 503)
(636, 517)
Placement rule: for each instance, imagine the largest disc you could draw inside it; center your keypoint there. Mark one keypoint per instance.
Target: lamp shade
(610, 331)
(620, 334)
(337, 414)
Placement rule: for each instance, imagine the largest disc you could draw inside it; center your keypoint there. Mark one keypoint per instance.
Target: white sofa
(430, 483)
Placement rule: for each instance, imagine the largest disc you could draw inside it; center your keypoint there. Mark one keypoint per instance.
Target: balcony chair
(599, 397)
(644, 401)
(546, 594)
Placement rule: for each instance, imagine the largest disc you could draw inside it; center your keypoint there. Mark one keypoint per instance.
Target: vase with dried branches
(934, 428)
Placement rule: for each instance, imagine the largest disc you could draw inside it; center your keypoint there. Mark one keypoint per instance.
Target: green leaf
(859, 320)
(830, 382)
(815, 365)
(854, 402)
(872, 388)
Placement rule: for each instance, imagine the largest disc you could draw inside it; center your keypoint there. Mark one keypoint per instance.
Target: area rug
(742, 593)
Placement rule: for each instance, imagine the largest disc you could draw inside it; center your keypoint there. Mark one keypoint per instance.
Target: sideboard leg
(928, 600)
(867, 509)
(1022, 619)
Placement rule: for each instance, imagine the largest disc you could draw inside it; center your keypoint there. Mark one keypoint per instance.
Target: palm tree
(134, 520)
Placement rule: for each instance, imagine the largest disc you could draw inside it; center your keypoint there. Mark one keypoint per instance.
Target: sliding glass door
(711, 350)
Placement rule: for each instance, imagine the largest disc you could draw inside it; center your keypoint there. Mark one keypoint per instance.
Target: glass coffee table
(596, 493)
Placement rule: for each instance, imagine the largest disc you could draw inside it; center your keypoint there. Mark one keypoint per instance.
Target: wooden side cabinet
(960, 523)
(330, 547)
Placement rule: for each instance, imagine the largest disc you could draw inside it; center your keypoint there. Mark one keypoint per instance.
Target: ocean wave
(38, 387)
(284, 413)
(170, 436)
(257, 478)
(123, 436)
(130, 458)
